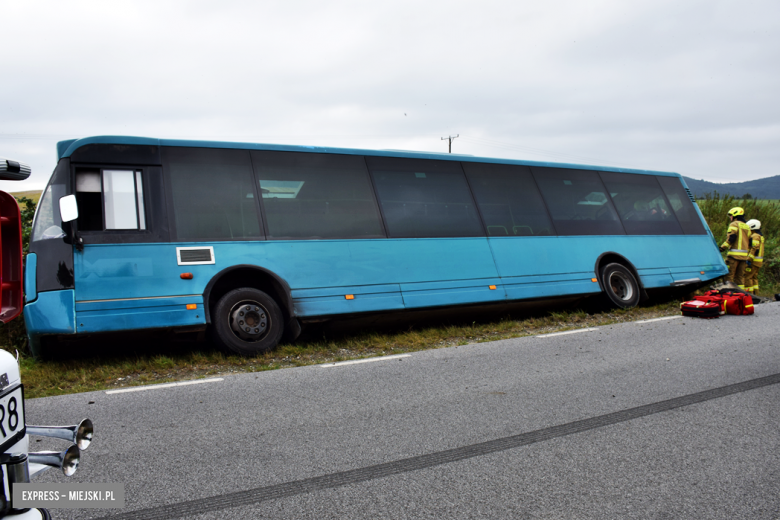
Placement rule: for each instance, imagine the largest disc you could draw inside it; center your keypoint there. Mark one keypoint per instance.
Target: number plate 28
(12, 425)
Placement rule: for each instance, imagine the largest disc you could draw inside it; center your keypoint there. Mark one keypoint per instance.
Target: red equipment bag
(700, 309)
(713, 298)
(739, 304)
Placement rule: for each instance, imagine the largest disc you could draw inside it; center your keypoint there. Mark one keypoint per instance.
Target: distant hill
(768, 188)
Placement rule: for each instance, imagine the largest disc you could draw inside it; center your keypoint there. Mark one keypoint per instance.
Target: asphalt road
(670, 419)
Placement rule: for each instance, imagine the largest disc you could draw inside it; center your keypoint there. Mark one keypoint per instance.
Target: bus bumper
(53, 312)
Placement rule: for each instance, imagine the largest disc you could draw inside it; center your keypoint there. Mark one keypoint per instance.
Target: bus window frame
(156, 229)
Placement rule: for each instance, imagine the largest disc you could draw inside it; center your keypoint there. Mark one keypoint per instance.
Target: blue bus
(249, 242)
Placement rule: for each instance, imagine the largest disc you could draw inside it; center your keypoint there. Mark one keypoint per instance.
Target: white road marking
(562, 333)
(369, 360)
(164, 385)
(659, 319)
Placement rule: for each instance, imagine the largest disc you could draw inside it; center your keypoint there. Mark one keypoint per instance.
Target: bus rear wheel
(247, 322)
(620, 285)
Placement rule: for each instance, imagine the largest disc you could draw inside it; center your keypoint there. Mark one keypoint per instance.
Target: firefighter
(738, 245)
(755, 257)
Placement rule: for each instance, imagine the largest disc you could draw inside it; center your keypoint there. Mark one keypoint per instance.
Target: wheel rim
(621, 286)
(249, 320)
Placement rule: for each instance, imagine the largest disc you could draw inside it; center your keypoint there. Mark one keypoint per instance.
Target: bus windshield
(48, 224)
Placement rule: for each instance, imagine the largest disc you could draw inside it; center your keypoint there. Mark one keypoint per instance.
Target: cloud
(686, 87)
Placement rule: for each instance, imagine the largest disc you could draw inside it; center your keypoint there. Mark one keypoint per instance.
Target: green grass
(116, 366)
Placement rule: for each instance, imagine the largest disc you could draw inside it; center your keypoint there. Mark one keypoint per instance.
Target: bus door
(124, 276)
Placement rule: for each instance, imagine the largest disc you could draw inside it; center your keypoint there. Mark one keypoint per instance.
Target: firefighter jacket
(739, 245)
(757, 248)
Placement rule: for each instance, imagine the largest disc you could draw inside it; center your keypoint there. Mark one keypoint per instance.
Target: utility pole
(450, 138)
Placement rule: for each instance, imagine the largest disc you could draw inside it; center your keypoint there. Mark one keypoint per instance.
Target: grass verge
(166, 361)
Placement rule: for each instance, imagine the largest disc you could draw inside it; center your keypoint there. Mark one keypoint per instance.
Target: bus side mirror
(69, 210)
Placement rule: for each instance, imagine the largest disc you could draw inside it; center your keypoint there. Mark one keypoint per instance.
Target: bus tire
(620, 285)
(247, 322)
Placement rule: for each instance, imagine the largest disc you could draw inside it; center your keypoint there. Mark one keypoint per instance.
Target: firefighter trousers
(736, 271)
(751, 279)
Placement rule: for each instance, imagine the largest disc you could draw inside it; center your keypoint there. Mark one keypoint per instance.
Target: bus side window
(110, 199)
(313, 196)
(213, 194)
(578, 201)
(682, 205)
(89, 196)
(123, 199)
(509, 200)
(641, 204)
(424, 198)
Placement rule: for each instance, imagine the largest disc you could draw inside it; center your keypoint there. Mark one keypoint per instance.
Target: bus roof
(67, 148)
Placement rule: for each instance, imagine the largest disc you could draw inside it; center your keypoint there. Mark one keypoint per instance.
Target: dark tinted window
(682, 205)
(508, 200)
(641, 204)
(117, 154)
(308, 195)
(213, 194)
(89, 196)
(578, 202)
(422, 198)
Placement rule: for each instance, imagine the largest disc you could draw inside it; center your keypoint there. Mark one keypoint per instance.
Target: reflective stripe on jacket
(741, 247)
(757, 249)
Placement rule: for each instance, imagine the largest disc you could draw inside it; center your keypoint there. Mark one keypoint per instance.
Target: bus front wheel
(620, 285)
(247, 322)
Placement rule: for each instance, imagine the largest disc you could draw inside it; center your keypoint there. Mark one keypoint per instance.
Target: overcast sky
(689, 86)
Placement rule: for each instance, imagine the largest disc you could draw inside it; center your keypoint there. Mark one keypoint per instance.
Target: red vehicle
(17, 463)
(11, 290)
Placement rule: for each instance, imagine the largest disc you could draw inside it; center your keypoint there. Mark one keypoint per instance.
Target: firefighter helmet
(754, 224)
(735, 212)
